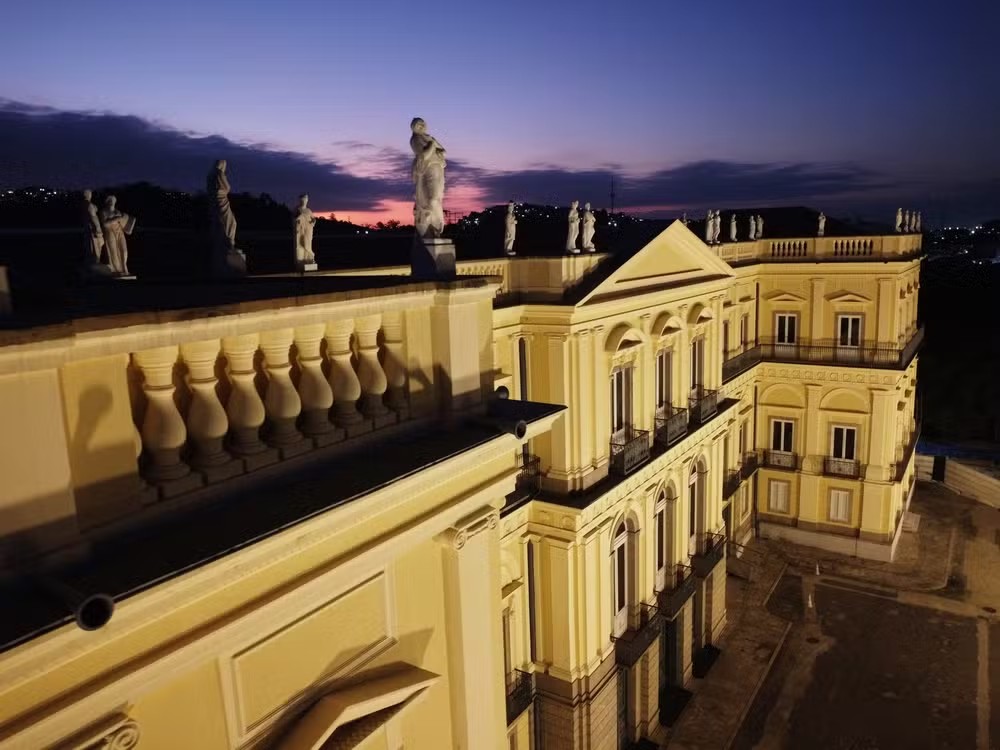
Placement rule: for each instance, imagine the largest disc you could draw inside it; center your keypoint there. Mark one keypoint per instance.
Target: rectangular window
(725, 337)
(786, 328)
(844, 442)
(849, 330)
(508, 664)
(744, 331)
(840, 506)
(663, 365)
(661, 538)
(777, 496)
(621, 399)
(781, 435)
(697, 363)
(743, 440)
(620, 578)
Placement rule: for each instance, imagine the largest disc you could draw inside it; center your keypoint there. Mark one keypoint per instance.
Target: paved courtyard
(861, 655)
(882, 656)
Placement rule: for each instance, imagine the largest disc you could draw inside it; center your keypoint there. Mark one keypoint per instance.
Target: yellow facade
(369, 554)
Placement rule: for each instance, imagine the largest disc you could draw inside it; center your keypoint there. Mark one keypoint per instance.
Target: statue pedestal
(310, 267)
(432, 258)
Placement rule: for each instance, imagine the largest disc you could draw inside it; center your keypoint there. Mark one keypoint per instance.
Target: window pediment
(845, 296)
(785, 297)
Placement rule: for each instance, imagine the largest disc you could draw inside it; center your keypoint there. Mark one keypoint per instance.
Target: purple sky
(852, 105)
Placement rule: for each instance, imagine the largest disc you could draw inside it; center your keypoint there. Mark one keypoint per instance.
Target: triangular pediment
(782, 296)
(844, 296)
(674, 257)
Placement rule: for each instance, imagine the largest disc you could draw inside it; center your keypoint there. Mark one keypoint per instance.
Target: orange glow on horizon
(462, 199)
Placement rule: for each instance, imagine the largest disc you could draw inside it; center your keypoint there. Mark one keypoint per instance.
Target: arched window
(620, 577)
(661, 535)
(696, 489)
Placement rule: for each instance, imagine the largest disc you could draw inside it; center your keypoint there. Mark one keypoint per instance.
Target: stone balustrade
(254, 399)
(822, 248)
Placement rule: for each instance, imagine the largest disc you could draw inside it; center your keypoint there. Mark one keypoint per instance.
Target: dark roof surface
(127, 563)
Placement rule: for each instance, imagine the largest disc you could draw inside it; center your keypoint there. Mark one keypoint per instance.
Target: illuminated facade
(323, 528)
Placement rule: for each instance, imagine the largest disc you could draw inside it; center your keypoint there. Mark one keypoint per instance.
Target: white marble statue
(116, 225)
(428, 181)
(94, 238)
(717, 227)
(684, 218)
(587, 235)
(760, 227)
(709, 227)
(906, 221)
(899, 220)
(509, 229)
(753, 227)
(821, 230)
(573, 228)
(223, 221)
(916, 223)
(732, 227)
(304, 222)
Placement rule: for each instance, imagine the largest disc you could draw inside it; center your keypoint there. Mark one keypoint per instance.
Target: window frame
(840, 318)
(779, 329)
(622, 414)
(664, 378)
(620, 570)
(835, 444)
(788, 433)
(771, 507)
(841, 495)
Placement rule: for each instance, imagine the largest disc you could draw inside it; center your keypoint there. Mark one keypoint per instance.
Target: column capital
(469, 526)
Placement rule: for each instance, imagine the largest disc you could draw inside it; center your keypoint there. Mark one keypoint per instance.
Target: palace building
(361, 509)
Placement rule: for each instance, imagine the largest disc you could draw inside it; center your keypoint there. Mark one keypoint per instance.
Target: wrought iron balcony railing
(529, 477)
(739, 360)
(711, 549)
(520, 693)
(629, 451)
(670, 425)
(751, 461)
(681, 583)
(632, 644)
(841, 467)
(703, 404)
(731, 483)
(781, 460)
(829, 351)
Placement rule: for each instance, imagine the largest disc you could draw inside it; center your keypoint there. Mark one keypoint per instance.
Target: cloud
(693, 185)
(44, 146)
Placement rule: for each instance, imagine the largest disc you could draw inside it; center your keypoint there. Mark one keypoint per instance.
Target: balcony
(899, 468)
(703, 404)
(828, 351)
(781, 460)
(520, 693)
(529, 477)
(739, 361)
(841, 467)
(629, 451)
(711, 549)
(670, 426)
(681, 583)
(731, 483)
(632, 644)
(751, 462)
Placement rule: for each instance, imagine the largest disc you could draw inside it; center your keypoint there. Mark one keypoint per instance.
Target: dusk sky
(853, 106)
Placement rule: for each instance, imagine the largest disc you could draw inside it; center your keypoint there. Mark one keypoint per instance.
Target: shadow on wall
(115, 466)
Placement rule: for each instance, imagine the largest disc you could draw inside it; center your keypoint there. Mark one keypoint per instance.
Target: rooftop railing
(702, 404)
(671, 424)
(629, 451)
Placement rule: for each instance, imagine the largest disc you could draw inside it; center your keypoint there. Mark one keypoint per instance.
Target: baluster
(244, 407)
(163, 431)
(314, 390)
(281, 401)
(206, 418)
(395, 365)
(343, 379)
(370, 372)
